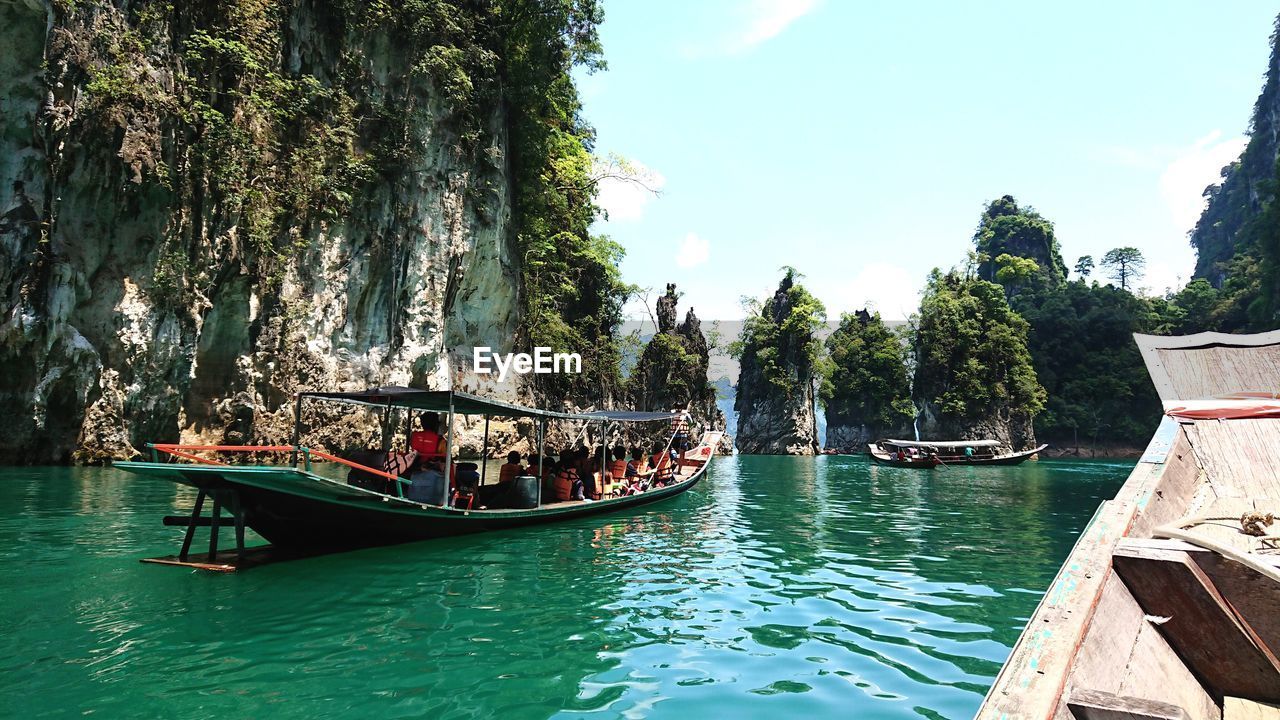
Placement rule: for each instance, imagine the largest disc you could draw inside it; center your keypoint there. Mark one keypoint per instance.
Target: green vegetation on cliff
(1237, 238)
(279, 144)
(972, 362)
(866, 383)
(782, 359)
(574, 291)
(779, 336)
(1008, 232)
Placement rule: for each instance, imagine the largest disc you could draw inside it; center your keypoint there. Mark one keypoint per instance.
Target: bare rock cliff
(182, 246)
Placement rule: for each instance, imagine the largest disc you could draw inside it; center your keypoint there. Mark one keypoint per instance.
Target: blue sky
(858, 141)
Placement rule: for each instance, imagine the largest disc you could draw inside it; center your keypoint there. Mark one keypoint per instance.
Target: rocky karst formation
(866, 392)
(672, 370)
(973, 373)
(1222, 232)
(779, 352)
(1006, 229)
(206, 206)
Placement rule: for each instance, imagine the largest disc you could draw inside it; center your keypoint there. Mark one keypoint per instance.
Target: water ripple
(781, 586)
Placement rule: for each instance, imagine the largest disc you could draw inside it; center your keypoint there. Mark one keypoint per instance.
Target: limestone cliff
(867, 394)
(778, 352)
(1234, 203)
(672, 370)
(974, 378)
(208, 207)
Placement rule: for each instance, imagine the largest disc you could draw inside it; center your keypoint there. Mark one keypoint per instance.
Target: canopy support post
(484, 451)
(386, 427)
(604, 456)
(542, 455)
(448, 459)
(297, 428)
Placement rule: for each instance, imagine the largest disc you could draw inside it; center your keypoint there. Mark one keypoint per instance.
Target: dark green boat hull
(299, 510)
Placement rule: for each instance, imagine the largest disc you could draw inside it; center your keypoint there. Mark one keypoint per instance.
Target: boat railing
(185, 452)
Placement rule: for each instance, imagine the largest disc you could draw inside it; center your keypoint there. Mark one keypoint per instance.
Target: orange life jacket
(428, 443)
(564, 483)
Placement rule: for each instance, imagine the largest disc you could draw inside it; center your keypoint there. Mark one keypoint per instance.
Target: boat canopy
(467, 404)
(944, 443)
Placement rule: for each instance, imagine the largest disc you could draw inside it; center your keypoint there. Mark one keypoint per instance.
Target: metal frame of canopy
(454, 402)
(944, 443)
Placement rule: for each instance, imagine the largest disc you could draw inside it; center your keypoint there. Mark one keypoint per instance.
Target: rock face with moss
(672, 370)
(779, 354)
(208, 206)
(974, 378)
(866, 391)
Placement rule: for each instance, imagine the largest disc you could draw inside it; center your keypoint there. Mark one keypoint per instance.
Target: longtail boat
(932, 453)
(301, 511)
(1169, 604)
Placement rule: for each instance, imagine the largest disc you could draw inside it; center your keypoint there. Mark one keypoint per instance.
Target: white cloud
(693, 251)
(1195, 168)
(755, 22)
(626, 188)
(767, 19)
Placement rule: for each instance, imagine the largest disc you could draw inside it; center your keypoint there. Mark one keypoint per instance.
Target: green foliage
(971, 351)
(275, 147)
(1124, 265)
(866, 381)
(573, 290)
(779, 336)
(1013, 271)
(1081, 340)
(1019, 232)
(1084, 266)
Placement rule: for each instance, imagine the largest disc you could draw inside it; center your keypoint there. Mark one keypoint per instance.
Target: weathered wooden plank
(1031, 682)
(1097, 705)
(1234, 708)
(1202, 627)
(1209, 364)
(1239, 456)
(1254, 597)
(1123, 654)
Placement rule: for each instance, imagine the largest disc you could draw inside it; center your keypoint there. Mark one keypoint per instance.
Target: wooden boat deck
(1137, 626)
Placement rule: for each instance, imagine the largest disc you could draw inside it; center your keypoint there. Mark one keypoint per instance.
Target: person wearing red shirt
(427, 441)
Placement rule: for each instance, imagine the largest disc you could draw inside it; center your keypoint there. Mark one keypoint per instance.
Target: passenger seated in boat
(618, 471)
(567, 485)
(634, 473)
(589, 471)
(466, 485)
(662, 468)
(639, 462)
(428, 483)
(512, 469)
(427, 442)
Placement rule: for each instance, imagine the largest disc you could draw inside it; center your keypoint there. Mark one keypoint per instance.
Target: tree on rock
(974, 378)
(866, 391)
(780, 355)
(1124, 265)
(1006, 229)
(672, 370)
(1084, 266)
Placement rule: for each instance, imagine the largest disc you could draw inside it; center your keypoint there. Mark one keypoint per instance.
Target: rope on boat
(1251, 523)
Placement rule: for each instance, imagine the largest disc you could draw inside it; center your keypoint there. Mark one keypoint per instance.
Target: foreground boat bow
(1167, 605)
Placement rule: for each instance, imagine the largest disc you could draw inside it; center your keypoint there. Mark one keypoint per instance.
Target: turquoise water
(814, 587)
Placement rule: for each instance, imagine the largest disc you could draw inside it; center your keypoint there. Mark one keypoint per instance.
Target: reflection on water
(780, 586)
